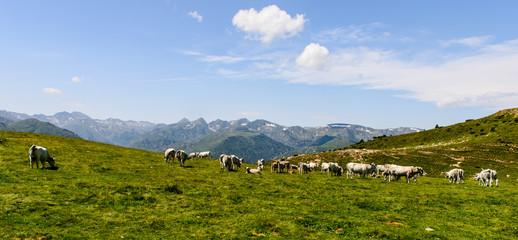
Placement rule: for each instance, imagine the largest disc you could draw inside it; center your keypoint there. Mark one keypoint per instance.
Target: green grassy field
(101, 191)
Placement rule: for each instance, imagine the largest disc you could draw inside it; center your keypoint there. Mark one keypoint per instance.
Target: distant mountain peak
(201, 121)
(241, 121)
(183, 121)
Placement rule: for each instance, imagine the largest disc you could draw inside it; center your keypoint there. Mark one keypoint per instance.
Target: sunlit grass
(101, 191)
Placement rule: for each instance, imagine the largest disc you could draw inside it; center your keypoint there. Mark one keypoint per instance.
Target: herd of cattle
(231, 162)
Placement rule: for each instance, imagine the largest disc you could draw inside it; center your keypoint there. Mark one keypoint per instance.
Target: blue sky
(376, 63)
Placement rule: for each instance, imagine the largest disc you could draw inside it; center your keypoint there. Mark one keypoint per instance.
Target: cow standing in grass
(335, 169)
(225, 162)
(360, 168)
(37, 153)
(260, 164)
(486, 176)
(169, 154)
(192, 156)
(182, 157)
(454, 175)
(407, 171)
(205, 154)
(236, 161)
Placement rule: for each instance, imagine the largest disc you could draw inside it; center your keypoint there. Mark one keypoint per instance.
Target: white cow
(304, 168)
(454, 175)
(361, 168)
(205, 154)
(313, 166)
(380, 168)
(236, 161)
(283, 165)
(182, 157)
(486, 176)
(407, 171)
(324, 167)
(225, 162)
(260, 164)
(193, 155)
(387, 174)
(253, 171)
(169, 154)
(37, 153)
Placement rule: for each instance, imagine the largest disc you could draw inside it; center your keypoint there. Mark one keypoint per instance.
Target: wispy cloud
(223, 59)
(269, 23)
(353, 33)
(190, 53)
(486, 78)
(470, 41)
(196, 15)
(51, 91)
(76, 79)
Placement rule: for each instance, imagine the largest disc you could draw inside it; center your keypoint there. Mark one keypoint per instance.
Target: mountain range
(248, 139)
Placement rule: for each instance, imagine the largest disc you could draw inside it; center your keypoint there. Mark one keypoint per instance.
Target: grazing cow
(275, 165)
(253, 171)
(37, 153)
(407, 171)
(361, 168)
(313, 166)
(260, 164)
(304, 168)
(454, 175)
(225, 162)
(380, 168)
(236, 161)
(335, 169)
(205, 154)
(324, 167)
(192, 155)
(283, 165)
(169, 154)
(486, 176)
(182, 157)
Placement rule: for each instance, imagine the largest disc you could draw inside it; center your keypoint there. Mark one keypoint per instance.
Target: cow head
(51, 162)
(420, 171)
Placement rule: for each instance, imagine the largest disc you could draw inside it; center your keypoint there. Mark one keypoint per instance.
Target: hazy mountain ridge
(33, 125)
(198, 135)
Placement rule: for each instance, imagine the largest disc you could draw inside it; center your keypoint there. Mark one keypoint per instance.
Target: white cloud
(486, 78)
(224, 59)
(470, 42)
(51, 91)
(353, 33)
(313, 57)
(270, 23)
(195, 15)
(76, 79)
(190, 53)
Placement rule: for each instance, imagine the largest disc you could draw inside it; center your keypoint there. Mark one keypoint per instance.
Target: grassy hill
(35, 126)
(101, 191)
(490, 142)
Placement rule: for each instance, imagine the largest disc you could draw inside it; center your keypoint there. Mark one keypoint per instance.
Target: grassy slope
(101, 191)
